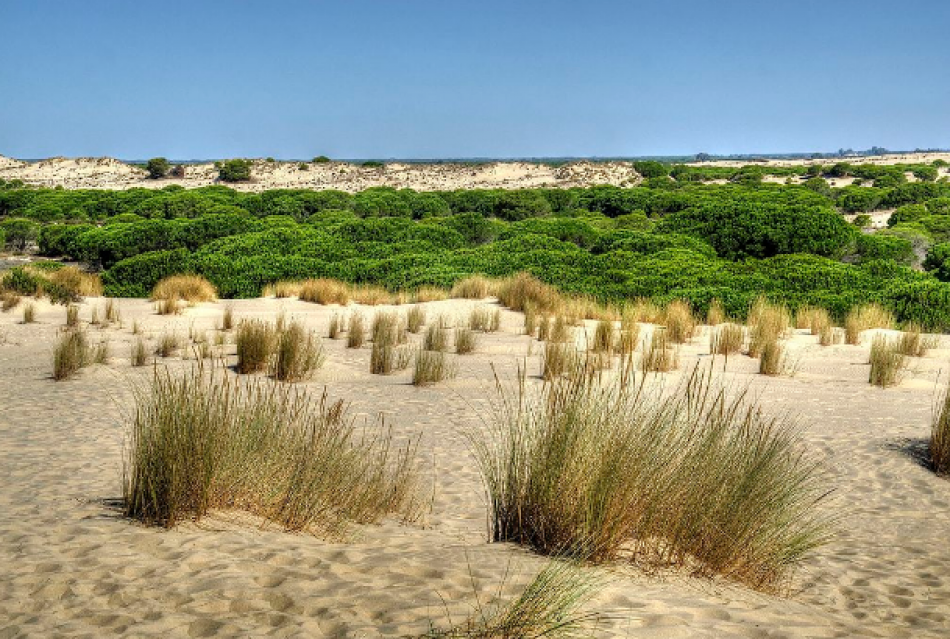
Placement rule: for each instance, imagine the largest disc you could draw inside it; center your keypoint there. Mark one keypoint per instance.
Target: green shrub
(235, 170)
(157, 168)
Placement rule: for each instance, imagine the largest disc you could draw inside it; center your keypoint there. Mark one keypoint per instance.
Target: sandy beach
(75, 567)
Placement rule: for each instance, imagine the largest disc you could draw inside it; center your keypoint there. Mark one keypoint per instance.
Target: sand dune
(74, 567)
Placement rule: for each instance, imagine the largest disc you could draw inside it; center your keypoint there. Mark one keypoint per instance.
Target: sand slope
(74, 568)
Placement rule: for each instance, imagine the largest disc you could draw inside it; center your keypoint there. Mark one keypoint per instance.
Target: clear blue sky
(453, 78)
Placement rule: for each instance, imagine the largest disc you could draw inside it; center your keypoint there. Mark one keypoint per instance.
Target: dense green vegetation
(668, 238)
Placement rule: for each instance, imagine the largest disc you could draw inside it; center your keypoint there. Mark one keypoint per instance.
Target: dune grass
(659, 354)
(726, 339)
(29, 313)
(71, 353)
(432, 367)
(388, 354)
(205, 440)
(523, 289)
(814, 318)
(772, 359)
(324, 291)
(186, 288)
(887, 361)
(168, 344)
(558, 359)
(356, 332)
(415, 318)
(466, 340)
(716, 314)
(227, 318)
(255, 341)
(336, 326)
(9, 300)
(484, 319)
(700, 478)
(168, 306)
(603, 341)
(298, 353)
(282, 289)
(939, 445)
(865, 317)
(679, 322)
(429, 294)
(372, 295)
(829, 335)
(435, 339)
(139, 354)
(474, 287)
(72, 316)
(767, 323)
(550, 606)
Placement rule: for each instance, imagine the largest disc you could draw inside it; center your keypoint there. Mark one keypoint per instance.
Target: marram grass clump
(700, 478)
(205, 440)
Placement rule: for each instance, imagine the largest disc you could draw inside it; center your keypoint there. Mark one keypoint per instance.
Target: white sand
(73, 567)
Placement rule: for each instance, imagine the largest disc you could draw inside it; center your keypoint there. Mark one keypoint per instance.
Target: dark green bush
(157, 168)
(235, 170)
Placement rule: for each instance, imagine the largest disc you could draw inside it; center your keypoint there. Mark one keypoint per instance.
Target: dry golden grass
(162, 307)
(863, 318)
(72, 316)
(701, 478)
(29, 313)
(716, 314)
(644, 311)
(75, 281)
(432, 367)
(474, 287)
(372, 295)
(485, 319)
(544, 327)
(71, 353)
(389, 334)
(255, 341)
(772, 360)
(101, 353)
(939, 445)
(466, 340)
(336, 326)
(524, 289)
(887, 361)
(429, 294)
(204, 441)
(603, 337)
(324, 291)
(227, 318)
(186, 288)
(829, 336)
(415, 318)
(531, 319)
(9, 301)
(297, 355)
(679, 322)
(915, 343)
(139, 354)
(356, 332)
(813, 318)
(726, 339)
(767, 324)
(112, 313)
(168, 345)
(435, 339)
(558, 359)
(629, 335)
(282, 289)
(659, 353)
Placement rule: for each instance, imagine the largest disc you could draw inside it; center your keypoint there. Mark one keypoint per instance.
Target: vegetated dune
(74, 566)
(109, 173)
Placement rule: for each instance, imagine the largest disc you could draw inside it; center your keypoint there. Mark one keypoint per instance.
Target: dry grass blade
(207, 440)
(863, 318)
(558, 359)
(227, 318)
(829, 335)
(429, 294)
(603, 337)
(168, 344)
(767, 324)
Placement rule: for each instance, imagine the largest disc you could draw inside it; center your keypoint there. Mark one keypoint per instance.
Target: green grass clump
(356, 332)
(415, 318)
(206, 440)
(887, 361)
(71, 353)
(255, 342)
(700, 478)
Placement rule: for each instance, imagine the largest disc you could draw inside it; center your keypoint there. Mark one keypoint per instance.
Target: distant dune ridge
(110, 173)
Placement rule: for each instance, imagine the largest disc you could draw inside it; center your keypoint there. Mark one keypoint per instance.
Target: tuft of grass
(336, 326)
(186, 288)
(701, 478)
(227, 318)
(139, 355)
(726, 339)
(484, 319)
(466, 340)
(435, 339)
(168, 345)
(716, 314)
(388, 355)
(474, 287)
(298, 354)
(282, 289)
(629, 334)
(74, 283)
(863, 318)
(772, 359)
(829, 336)
(429, 294)
(550, 606)
(72, 316)
(415, 318)
(324, 291)
(207, 440)
(356, 333)
(71, 353)
(659, 354)
(372, 295)
(9, 300)
(603, 337)
(914, 343)
(101, 353)
(887, 361)
(29, 313)
(679, 322)
(767, 324)
(644, 311)
(162, 307)
(256, 341)
(522, 290)
(813, 318)
(531, 320)
(939, 445)
(558, 359)
(112, 313)
(432, 367)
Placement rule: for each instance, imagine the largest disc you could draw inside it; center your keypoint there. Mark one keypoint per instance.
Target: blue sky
(446, 78)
